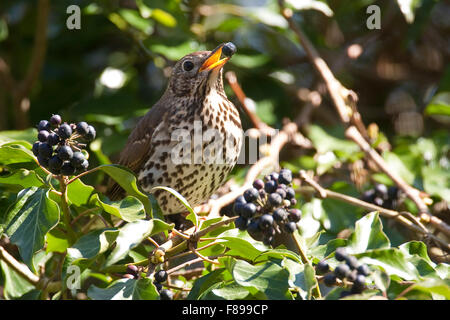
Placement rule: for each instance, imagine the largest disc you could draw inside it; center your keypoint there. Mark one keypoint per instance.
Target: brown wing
(134, 155)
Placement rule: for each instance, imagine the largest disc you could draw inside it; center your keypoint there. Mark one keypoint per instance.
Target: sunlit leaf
(125, 289)
(29, 220)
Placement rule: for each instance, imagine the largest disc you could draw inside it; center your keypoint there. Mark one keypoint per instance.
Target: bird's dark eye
(188, 65)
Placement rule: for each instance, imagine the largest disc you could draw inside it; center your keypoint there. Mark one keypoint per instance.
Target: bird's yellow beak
(214, 61)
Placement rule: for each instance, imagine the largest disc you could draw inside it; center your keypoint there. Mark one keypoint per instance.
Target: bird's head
(200, 71)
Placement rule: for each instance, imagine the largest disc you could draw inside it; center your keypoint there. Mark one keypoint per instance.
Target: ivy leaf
(23, 178)
(29, 220)
(127, 180)
(79, 193)
(14, 153)
(269, 278)
(92, 244)
(368, 234)
(128, 209)
(125, 289)
(192, 215)
(241, 244)
(14, 285)
(132, 234)
(203, 283)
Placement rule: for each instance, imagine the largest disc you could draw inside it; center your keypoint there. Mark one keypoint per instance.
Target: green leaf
(434, 286)
(10, 154)
(231, 291)
(28, 135)
(125, 289)
(241, 244)
(302, 277)
(127, 180)
(79, 193)
(128, 209)
(132, 234)
(368, 234)
(192, 215)
(56, 241)
(29, 220)
(134, 19)
(324, 142)
(396, 165)
(436, 181)
(269, 278)
(311, 4)
(92, 244)
(164, 18)
(176, 52)
(14, 285)
(23, 178)
(203, 283)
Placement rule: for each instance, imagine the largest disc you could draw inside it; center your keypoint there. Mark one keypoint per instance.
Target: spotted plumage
(190, 139)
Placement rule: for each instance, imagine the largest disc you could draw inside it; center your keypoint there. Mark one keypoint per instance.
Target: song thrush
(191, 138)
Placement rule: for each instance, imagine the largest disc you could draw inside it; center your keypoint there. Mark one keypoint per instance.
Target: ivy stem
(306, 261)
(65, 208)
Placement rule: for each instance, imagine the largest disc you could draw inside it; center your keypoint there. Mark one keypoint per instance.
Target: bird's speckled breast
(213, 152)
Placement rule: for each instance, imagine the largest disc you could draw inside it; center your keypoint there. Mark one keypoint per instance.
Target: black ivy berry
(67, 169)
(265, 221)
(65, 153)
(248, 210)
(132, 269)
(43, 135)
(322, 267)
(55, 120)
(290, 227)
(340, 254)
(295, 215)
(275, 199)
(363, 270)
(251, 194)
(352, 262)
(45, 150)
(329, 279)
(90, 135)
(280, 215)
(166, 294)
(158, 286)
(258, 184)
(342, 271)
(44, 125)
(35, 148)
(161, 276)
(77, 159)
(65, 131)
(270, 186)
(82, 128)
(285, 176)
(55, 163)
(53, 139)
(229, 49)
(290, 193)
(241, 223)
(358, 284)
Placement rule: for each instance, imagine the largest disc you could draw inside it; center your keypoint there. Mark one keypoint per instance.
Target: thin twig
(325, 193)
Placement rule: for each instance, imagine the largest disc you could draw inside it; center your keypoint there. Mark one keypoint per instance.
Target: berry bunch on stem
(383, 196)
(58, 149)
(266, 208)
(350, 270)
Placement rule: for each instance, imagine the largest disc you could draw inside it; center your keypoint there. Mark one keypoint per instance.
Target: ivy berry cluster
(161, 277)
(132, 272)
(266, 208)
(383, 196)
(350, 270)
(58, 148)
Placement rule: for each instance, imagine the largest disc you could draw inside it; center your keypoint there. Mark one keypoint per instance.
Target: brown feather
(138, 145)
